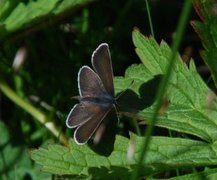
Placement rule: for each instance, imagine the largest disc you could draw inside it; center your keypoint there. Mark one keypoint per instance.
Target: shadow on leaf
(131, 102)
(128, 104)
(112, 173)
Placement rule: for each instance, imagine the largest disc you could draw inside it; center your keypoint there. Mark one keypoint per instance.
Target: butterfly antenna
(119, 95)
(116, 110)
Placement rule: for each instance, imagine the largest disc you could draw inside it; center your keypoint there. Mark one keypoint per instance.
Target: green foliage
(207, 174)
(18, 15)
(207, 30)
(14, 159)
(187, 112)
(59, 41)
(164, 153)
(188, 109)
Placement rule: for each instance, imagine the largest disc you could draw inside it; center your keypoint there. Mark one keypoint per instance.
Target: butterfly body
(96, 90)
(106, 101)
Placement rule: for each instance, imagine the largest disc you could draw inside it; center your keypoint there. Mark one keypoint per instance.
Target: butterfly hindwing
(86, 130)
(79, 114)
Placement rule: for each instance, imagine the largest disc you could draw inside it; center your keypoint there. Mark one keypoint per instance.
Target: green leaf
(15, 162)
(189, 110)
(20, 15)
(206, 174)
(207, 30)
(69, 4)
(134, 77)
(164, 153)
(25, 13)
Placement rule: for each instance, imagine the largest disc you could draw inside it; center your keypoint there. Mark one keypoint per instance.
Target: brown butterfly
(96, 90)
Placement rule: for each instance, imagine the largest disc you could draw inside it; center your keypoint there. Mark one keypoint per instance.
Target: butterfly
(96, 95)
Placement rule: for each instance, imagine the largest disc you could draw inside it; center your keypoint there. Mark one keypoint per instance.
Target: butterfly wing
(79, 114)
(90, 86)
(96, 96)
(86, 130)
(89, 83)
(101, 62)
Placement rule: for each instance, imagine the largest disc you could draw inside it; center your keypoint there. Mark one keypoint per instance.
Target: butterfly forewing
(89, 83)
(102, 64)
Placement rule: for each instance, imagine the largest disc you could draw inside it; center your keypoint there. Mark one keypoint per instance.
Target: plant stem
(32, 110)
(149, 18)
(163, 84)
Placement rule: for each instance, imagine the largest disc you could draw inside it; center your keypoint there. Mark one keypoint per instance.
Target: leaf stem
(163, 85)
(149, 18)
(32, 110)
